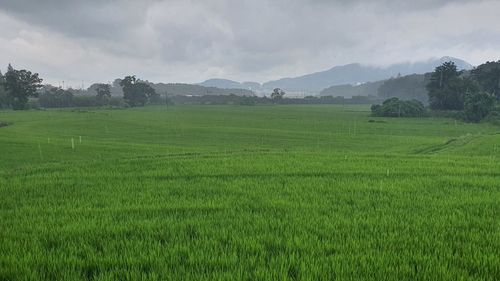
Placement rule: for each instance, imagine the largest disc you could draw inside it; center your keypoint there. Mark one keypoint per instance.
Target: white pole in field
(40, 151)
(80, 139)
(73, 143)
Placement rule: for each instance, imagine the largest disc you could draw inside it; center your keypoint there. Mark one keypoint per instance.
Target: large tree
(446, 88)
(20, 85)
(488, 76)
(277, 94)
(135, 91)
(3, 93)
(103, 93)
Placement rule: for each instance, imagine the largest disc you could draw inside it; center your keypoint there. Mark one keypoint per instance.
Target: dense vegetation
(17, 87)
(450, 89)
(488, 76)
(395, 107)
(473, 94)
(283, 192)
(414, 86)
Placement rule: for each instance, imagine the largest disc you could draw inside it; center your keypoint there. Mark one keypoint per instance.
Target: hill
(230, 84)
(178, 89)
(357, 73)
(348, 90)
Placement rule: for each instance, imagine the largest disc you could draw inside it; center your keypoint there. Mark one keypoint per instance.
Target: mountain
(221, 83)
(356, 73)
(230, 84)
(179, 89)
(254, 86)
(406, 87)
(348, 90)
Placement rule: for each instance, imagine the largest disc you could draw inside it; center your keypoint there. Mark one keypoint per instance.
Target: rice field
(299, 192)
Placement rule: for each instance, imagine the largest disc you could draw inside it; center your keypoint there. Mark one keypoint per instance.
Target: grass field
(247, 193)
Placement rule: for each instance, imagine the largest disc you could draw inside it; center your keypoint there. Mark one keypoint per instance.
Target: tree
(103, 93)
(445, 88)
(56, 97)
(277, 94)
(20, 85)
(136, 92)
(3, 93)
(488, 77)
(478, 105)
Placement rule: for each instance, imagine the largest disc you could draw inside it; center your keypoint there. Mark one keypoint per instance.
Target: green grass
(247, 193)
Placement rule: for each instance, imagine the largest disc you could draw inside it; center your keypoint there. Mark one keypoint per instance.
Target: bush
(395, 107)
(494, 116)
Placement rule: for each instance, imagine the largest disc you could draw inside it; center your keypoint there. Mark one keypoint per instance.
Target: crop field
(299, 192)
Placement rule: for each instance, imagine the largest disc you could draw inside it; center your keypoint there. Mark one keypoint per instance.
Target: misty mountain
(407, 87)
(220, 83)
(348, 90)
(180, 89)
(356, 73)
(230, 84)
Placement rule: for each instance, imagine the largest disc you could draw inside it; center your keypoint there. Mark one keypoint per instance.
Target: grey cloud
(244, 40)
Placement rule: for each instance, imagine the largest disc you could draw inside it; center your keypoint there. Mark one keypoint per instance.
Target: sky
(86, 41)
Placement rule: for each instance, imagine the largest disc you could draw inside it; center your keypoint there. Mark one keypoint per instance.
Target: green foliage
(53, 97)
(446, 88)
(103, 93)
(20, 85)
(395, 107)
(475, 95)
(247, 193)
(136, 92)
(56, 97)
(277, 94)
(478, 105)
(3, 92)
(488, 76)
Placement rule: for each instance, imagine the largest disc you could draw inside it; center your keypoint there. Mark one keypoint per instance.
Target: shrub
(395, 107)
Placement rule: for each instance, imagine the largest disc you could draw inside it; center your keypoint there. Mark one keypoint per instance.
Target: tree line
(473, 95)
(18, 86)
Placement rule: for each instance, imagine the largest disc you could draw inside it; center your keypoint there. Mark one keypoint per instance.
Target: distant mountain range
(230, 84)
(180, 89)
(353, 74)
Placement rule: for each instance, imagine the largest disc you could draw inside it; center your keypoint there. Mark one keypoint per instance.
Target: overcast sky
(254, 40)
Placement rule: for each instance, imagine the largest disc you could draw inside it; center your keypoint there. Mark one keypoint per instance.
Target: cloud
(188, 41)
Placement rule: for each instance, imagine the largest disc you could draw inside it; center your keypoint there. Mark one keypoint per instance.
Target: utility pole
(166, 99)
